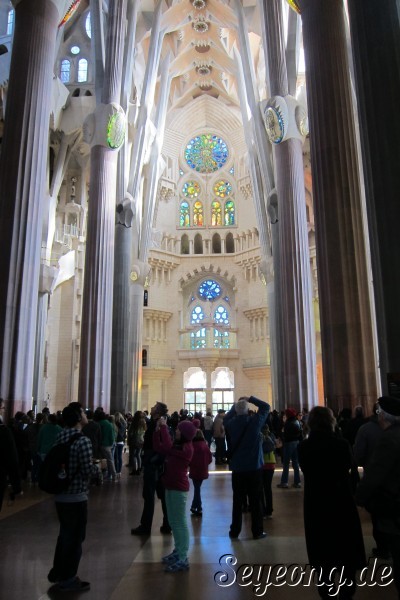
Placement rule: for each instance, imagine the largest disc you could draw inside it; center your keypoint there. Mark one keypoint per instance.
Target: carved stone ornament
(284, 118)
(276, 119)
(105, 127)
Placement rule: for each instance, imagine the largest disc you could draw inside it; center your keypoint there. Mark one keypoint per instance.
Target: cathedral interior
(199, 201)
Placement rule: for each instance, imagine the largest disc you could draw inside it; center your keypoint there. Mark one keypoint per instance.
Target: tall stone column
(105, 130)
(375, 34)
(22, 184)
(346, 329)
(297, 336)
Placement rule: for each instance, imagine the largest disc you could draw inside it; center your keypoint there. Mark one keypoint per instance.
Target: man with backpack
(71, 502)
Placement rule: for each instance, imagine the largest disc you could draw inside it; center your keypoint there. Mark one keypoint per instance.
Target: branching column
(346, 331)
(95, 359)
(22, 184)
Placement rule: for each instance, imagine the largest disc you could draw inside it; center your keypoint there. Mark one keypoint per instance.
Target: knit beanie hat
(290, 413)
(188, 430)
(196, 423)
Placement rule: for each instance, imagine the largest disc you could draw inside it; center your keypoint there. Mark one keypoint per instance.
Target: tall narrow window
(229, 216)
(88, 26)
(65, 71)
(198, 244)
(145, 298)
(198, 214)
(184, 216)
(82, 70)
(185, 244)
(216, 214)
(229, 244)
(10, 22)
(216, 243)
(144, 357)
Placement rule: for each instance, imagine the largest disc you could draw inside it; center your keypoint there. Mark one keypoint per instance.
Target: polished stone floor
(123, 567)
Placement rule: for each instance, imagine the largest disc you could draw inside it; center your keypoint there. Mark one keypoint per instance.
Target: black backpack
(54, 475)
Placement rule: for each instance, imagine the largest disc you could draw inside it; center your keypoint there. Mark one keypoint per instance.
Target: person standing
(108, 435)
(178, 455)
(379, 489)
(245, 446)
(71, 505)
(9, 467)
(292, 434)
(153, 464)
(219, 438)
(332, 525)
(120, 441)
(198, 469)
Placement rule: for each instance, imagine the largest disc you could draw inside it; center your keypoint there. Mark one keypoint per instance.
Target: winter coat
(247, 450)
(331, 521)
(202, 457)
(379, 489)
(177, 460)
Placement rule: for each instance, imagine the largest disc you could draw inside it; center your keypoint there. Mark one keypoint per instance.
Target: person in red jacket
(198, 470)
(178, 455)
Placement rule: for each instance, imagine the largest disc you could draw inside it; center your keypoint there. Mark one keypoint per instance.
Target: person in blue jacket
(244, 438)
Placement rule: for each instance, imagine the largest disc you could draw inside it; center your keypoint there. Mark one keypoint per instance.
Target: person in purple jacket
(198, 470)
(178, 455)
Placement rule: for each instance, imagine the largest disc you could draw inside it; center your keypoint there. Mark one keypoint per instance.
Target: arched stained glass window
(229, 216)
(197, 315)
(221, 339)
(198, 339)
(198, 214)
(65, 71)
(222, 189)
(82, 70)
(184, 217)
(221, 315)
(88, 25)
(206, 153)
(209, 289)
(216, 213)
(10, 21)
(191, 189)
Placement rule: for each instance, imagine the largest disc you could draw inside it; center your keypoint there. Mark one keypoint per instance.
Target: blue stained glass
(206, 153)
(209, 289)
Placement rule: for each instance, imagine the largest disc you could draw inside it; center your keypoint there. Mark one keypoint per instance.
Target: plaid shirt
(80, 461)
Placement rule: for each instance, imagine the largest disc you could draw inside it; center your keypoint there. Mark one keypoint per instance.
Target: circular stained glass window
(209, 289)
(75, 50)
(222, 189)
(206, 153)
(191, 189)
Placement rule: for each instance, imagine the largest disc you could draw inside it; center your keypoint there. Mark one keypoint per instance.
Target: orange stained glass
(216, 214)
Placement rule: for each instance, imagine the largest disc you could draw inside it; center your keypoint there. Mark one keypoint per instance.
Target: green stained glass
(206, 153)
(191, 189)
(198, 339)
(184, 216)
(229, 213)
(216, 214)
(222, 189)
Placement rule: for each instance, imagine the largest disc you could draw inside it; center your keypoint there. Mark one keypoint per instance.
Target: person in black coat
(332, 525)
(9, 467)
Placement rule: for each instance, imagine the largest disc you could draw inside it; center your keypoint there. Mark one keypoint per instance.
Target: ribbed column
(375, 33)
(296, 334)
(96, 332)
(346, 331)
(22, 184)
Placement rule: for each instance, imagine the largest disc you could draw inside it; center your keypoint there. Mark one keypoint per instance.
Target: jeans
(290, 454)
(247, 483)
(151, 486)
(73, 519)
(118, 457)
(196, 502)
(107, 452)
(176, 507)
